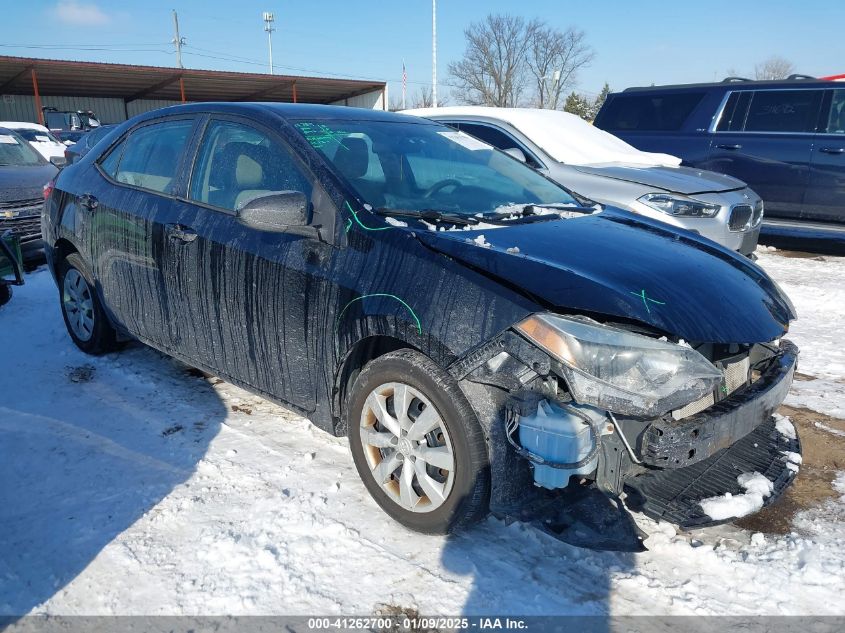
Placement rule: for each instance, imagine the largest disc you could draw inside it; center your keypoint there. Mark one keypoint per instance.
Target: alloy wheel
(78, 305)
(407, 447)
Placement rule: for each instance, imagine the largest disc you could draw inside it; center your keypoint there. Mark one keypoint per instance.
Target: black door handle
(833, 150)
(180, 233)
(88, 201)
(730, 146)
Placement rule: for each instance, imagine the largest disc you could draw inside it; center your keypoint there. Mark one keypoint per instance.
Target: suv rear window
(655, 112)
(783, 111)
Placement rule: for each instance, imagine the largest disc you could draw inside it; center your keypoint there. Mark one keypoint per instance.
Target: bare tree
(553, 60)
(774, 68)
(492, 71)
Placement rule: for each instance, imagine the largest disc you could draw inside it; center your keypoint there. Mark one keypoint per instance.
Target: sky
(635, 42)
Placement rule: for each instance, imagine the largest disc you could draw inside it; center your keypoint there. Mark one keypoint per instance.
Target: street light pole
(268, 26)
(178, 40)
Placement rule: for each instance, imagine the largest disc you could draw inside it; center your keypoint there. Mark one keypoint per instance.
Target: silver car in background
(606, 169)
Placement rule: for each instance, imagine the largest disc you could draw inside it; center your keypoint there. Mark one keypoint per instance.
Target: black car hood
(683, 180)
(617, 264)
(24, 183)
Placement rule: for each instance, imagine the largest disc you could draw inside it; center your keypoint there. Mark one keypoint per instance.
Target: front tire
(417, 444)
(83, 313)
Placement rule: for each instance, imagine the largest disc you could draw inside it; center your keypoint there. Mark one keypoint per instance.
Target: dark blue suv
(786, 139)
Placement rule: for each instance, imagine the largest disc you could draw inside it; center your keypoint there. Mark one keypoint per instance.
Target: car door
(825, 199)
(247, 296)
(765, 138)
(126, 210)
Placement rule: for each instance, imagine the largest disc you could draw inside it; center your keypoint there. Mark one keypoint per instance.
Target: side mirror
(517, 153)
(58, 161)
(276, 212)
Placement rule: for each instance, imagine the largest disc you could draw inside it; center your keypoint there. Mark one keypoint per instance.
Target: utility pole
(268, 26)
(178, 41)
(433, 53)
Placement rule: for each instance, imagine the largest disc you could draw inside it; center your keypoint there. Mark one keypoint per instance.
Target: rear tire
(417, 444)
(82, 311)
(5, 294)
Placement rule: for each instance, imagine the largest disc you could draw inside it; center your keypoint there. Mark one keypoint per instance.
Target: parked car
(41, 139)
(23, 174)
(478, 335)
(69, 125)
(84, 144)
(11, 266)
(608, 170)
(786, 139)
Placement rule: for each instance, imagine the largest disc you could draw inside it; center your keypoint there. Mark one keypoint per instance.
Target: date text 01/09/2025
(415, 623)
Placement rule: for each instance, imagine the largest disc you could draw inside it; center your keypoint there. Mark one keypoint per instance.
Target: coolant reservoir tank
(558, 436)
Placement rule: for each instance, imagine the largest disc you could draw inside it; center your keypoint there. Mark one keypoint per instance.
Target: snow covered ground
(129, 485)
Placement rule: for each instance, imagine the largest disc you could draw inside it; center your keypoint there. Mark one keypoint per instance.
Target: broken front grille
(736, 375)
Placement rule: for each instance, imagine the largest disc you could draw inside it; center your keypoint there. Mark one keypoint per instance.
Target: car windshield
(15, 151)
(36, 136)
(425, 166)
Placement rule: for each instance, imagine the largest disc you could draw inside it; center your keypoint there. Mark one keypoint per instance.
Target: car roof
(287, 111)
(508, 115)
(739, 84)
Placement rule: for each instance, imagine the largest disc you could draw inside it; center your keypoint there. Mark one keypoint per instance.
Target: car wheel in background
(417, 444)
(86, 322)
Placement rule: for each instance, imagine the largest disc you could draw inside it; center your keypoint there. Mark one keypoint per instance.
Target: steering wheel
(441, 184)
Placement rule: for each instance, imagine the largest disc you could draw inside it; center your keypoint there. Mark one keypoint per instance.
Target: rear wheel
(84, 318)
(5, 293)
(417, 444)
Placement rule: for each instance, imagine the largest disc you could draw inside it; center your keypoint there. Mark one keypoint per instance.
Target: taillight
(48, 188)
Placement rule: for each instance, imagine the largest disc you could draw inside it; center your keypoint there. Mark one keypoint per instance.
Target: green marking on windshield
(646, 300)
(319, 135)
(381, 294)
(361, 224)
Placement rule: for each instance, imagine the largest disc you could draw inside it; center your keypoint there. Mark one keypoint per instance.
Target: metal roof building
(117, 92)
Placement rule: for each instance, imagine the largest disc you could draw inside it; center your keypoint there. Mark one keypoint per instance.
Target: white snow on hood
(564, 137)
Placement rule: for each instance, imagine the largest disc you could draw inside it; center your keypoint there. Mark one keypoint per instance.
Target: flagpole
(404, 82)
(434, 53)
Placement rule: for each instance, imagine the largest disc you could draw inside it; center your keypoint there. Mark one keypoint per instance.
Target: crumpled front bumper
(701, 457)
(670, 443)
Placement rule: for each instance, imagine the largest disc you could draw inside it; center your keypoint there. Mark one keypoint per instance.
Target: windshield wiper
(431, 215)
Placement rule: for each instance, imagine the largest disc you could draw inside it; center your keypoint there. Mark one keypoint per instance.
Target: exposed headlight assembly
(678, 206)
(619, 371)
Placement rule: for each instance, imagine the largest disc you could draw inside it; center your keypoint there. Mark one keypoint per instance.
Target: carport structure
(139, 88)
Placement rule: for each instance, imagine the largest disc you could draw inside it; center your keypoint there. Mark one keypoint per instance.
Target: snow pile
(757, 488)
(482, 242)
(784, 426)
(395, 222)
(565, 137)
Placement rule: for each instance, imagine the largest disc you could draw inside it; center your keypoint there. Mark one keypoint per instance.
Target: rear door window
(152, 155)
(649, 112)
(783, 111)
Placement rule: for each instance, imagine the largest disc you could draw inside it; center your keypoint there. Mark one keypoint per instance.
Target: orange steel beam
(294, 91)
(182, 89)
(38, 109)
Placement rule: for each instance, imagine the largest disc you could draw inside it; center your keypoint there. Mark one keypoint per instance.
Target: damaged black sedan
(487, 340)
